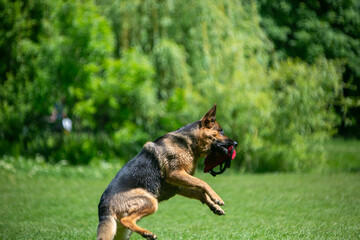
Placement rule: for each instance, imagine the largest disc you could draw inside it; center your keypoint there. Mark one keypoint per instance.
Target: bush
(302, 117)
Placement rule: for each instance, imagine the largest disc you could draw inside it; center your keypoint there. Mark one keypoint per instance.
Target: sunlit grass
(42, 201)
(284, 206)
(274, 206)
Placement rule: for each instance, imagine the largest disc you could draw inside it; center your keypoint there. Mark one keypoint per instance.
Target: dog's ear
(208, 120)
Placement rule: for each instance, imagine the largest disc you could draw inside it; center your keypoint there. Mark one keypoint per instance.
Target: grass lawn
(42, 201)
(343, 155)
(271, 206)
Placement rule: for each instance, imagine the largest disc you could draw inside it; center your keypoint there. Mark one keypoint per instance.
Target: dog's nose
(235, 143)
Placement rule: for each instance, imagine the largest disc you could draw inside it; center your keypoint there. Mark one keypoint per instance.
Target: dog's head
(213, 138)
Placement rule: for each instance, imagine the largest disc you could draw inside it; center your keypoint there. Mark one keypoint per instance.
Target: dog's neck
(188, 138)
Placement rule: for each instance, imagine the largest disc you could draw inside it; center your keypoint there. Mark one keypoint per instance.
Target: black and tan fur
(162, 169)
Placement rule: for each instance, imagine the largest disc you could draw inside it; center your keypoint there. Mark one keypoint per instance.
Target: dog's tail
(107, 228)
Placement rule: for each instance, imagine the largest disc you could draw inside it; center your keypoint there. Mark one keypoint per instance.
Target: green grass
(274, 206)
(343, 155)
(42, 201)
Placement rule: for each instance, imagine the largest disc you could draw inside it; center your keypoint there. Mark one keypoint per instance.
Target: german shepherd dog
(162, 169)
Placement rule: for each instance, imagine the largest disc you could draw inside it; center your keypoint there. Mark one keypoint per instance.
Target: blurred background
(93, 80)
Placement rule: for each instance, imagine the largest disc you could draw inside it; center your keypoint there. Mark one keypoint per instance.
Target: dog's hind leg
(202, 197)
(106, 228)
(141, 206)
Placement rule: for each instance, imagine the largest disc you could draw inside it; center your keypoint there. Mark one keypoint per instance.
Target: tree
(329, 28)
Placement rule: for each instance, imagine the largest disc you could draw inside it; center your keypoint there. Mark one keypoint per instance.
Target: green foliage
(329, 28)
(126, 72)
(21, 98)
(303, 117)
(80, 148)
(343, 155)
(118, 89)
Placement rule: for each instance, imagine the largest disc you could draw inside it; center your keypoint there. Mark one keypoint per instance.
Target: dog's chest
(167, 191)
(187, 162)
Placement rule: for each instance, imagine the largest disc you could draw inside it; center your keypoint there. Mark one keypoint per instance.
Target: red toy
(214, 159)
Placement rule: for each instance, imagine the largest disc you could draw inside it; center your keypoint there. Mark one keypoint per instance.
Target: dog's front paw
(149, 235)
(217, 200)
(217, 210)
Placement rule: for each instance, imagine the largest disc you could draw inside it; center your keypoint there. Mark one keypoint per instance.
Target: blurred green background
(284, 74)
